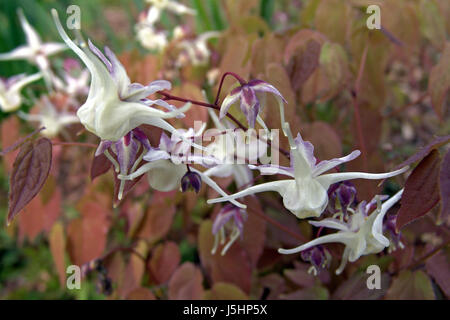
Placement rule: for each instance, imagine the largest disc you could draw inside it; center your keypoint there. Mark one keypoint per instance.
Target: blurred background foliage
(262, 39)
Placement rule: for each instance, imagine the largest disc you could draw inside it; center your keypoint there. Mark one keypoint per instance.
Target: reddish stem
(237, 77)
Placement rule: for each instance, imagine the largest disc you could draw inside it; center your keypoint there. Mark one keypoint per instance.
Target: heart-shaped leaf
(30, 170)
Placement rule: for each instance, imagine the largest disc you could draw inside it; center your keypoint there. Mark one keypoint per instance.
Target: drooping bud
(191, 180)
(318, 256)
(342, 195)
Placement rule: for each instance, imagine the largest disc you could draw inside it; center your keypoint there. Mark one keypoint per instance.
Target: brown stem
(406, 106)
(238, 78)
(417, 263)
(168, 96)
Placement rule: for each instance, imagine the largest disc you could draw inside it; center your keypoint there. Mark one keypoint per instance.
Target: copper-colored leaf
(411, 286)
(438, 267)
(225, 291)
(444, 185)
(30, 170)
(421, 190)
(164, 261)
(141, 294)
(87, 234)
(186, 283)
(233, 267)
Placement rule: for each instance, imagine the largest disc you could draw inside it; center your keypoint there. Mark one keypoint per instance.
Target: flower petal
(341, 237)
(325, 165)
(328, 179)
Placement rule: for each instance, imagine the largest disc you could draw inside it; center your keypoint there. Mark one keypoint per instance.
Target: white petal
(51, 48)
(377, 227)
(24, 81)
(22, 52)
(328, 179)
(326, 165)
(269, 186)
(330, 223)
(216, 187)
(32, 37)
(166, 176)
(341, 237)
(227, 103)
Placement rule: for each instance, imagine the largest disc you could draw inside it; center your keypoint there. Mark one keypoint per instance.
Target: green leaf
(411, 286)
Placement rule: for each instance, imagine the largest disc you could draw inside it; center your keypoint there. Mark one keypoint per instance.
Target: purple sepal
(191, 180)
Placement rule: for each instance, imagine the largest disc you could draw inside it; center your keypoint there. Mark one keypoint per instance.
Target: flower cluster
(115, 110)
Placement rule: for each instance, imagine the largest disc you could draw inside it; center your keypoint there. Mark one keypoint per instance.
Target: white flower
(158, 6)
(151, 39)
(224, 150)
(71, 84)
(362, 234)
(305, 193)
(114, 105)
(50, 118)
(166, 165)
(10, 97)
(197, 51)
(34, 51)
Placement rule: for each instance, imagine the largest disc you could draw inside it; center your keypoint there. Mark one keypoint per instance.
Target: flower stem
(237, 77)
(79, 144)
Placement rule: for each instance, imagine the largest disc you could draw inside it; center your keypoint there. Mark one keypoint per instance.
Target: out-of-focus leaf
(141, 294)
(158, 218)
(432, 23)
(421, 190)
(100, 165)
(134, 271)
(312, 293)
(271, 286)
(332, 19)
(86, 236)
(57, 243)
(355, 288)
(439, 82)
(444, 186)
(410, 285)
(164, 261)
(304, 63)
(327, 143)
(38, 217)
(334, 62)
(299, 41)
(10, 134)
(29, 173)
(438, 267)
(186, 283)
(233, 267)
(225, 291)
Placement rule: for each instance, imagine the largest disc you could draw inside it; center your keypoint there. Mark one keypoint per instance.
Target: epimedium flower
(249, 102)
(168, 164)
(150, 38)
(114, 105)
(126, 151)
(34, 51)
(362, 234)
(75, 81)
(304, 193)
(196, 51)
(228, 222)
(10, 97)
(158, 6)
(224, 150)
(49, 117)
